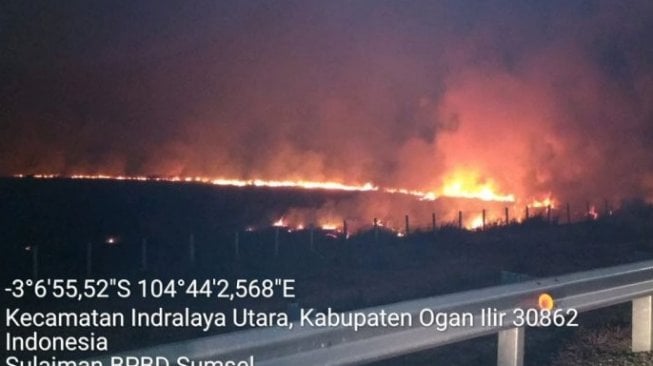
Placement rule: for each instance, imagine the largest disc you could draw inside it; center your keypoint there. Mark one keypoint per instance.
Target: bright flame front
(467, 184)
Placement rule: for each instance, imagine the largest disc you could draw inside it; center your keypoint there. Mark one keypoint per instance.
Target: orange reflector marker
(545, 301)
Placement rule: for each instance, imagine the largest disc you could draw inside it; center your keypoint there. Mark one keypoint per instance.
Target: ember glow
(281, 223)
(593, 213)
(329, 227)
(476, 223)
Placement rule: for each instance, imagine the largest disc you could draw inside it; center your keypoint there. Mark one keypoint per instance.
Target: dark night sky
(537, 96)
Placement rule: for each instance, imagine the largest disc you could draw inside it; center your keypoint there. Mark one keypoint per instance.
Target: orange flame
(330, 227)
(462, 184)
(476, 223)
(279, 223)
(547, 202)
(468, 184)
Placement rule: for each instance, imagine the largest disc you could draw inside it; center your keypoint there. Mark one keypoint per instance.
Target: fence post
(433, 226)
(345, 229)
(460, 219)
(376, 231)
(527, 214)
(407, 225)
(588, 209)
(507, 216)
(548, 214)
(642, 323)
(510, 350)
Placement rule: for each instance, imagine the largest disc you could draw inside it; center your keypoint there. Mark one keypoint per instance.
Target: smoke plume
(536, 98)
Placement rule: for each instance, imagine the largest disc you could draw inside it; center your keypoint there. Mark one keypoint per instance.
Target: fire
(476, 223)
(547, 202)
(467, 184)
(459, 185)
(305, 184)
(593, 213)
(462, 183)
(422, 195)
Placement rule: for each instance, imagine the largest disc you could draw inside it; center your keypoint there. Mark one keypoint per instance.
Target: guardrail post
(510, 350)
(643, 324)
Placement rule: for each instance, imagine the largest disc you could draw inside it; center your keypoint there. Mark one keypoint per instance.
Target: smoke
(538, 98)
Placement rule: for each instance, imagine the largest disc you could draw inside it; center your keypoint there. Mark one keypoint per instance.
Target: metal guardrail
(342, 345)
